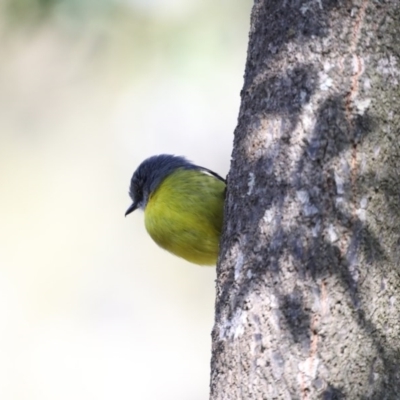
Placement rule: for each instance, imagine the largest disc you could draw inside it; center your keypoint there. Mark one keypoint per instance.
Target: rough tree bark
(308, 281)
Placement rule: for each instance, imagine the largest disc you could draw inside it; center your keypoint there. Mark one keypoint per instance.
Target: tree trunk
(308, 287)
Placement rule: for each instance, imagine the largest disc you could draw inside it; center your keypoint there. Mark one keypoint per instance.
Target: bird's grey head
(150, 174)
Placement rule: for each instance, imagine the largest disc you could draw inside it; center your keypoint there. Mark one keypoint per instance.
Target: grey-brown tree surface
(308, 281)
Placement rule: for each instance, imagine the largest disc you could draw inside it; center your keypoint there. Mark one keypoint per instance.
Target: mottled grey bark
(308, 287)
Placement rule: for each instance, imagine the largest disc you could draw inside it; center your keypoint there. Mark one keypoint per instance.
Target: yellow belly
(185, 214)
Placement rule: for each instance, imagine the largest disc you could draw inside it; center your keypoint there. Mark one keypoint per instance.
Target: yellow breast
(184, 215)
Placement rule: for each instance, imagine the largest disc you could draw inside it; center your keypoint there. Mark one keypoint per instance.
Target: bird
(183, 206)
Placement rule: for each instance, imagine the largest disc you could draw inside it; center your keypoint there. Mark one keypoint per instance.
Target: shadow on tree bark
(316, 256)
(327, 180)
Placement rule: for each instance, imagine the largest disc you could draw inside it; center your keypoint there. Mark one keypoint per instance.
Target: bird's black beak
(132, 208)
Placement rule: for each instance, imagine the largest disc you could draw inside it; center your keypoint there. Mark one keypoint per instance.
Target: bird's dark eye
(138, 196)
(136, 191)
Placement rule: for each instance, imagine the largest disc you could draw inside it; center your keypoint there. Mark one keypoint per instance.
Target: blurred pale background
(90, 307)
